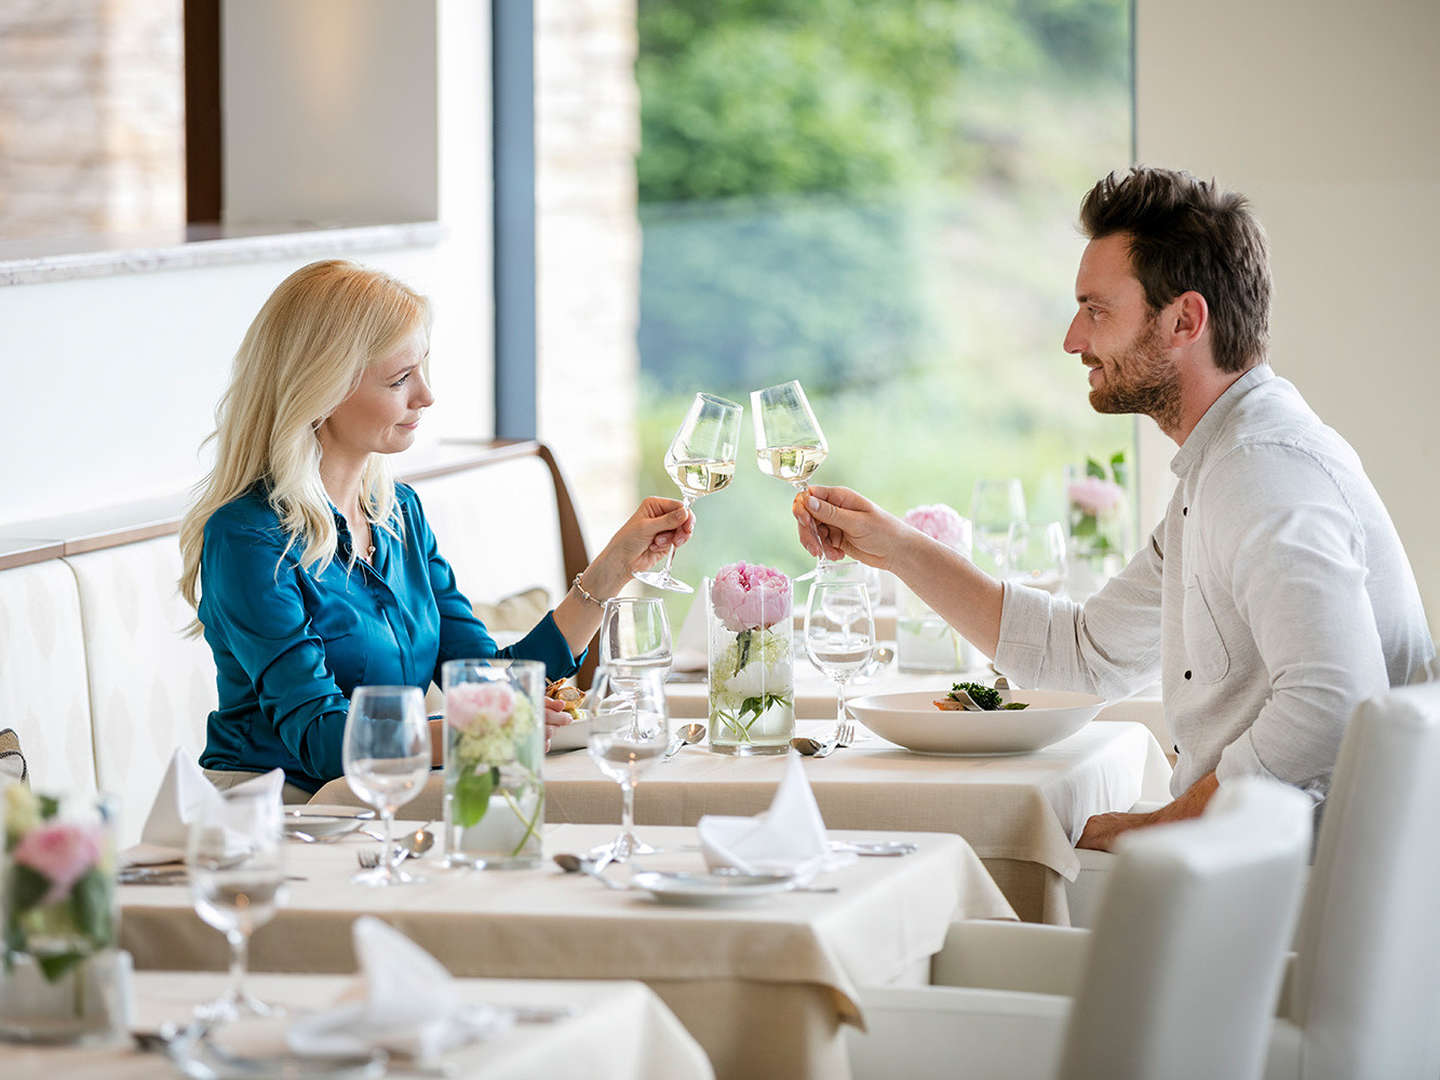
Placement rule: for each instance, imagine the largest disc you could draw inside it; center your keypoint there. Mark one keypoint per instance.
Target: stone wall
(91, 117)
(588, 249)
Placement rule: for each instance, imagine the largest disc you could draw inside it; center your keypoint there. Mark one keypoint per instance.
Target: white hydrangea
(767, 670)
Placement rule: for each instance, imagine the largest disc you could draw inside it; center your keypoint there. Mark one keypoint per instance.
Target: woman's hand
(555, 717)
(847, 523)
(641, 542)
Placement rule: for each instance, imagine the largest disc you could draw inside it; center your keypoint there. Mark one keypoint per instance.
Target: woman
(310, 570)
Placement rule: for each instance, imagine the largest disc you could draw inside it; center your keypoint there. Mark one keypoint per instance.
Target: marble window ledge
(197, 246)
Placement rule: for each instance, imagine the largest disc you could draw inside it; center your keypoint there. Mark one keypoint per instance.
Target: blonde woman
(310, 570)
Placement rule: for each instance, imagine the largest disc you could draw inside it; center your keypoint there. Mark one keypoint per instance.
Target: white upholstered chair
(1179, 978)
(1363, 1002)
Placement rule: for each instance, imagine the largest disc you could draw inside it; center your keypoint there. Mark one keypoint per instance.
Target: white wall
(110, 383)
(1322, 111)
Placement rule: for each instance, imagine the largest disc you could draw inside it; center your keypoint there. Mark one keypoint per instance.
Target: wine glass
(1036, 556)
(629, 730)
(387, 758)
(701, 461)
(994, 506)
(789, 444)
(235, 860)
(839, 633)
(634, 634)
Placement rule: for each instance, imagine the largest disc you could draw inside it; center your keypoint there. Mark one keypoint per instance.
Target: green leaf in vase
(1119, 469)
(91, 903)
(52, 967)
(1094, 468)
(27, 886)
(49, 806)
(472, 795)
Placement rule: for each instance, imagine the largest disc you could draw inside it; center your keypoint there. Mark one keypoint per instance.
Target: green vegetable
(1015, 705)
(983, 696)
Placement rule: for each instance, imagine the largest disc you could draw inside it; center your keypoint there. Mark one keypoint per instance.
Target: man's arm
(1102, 829)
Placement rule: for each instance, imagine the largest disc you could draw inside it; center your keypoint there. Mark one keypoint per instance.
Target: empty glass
(995, 505)
(629, 730)
(236, 866)
(634, 634)
(701, 461)
(839, 632)
(1035, 556)
(387, 756)
(789, 444)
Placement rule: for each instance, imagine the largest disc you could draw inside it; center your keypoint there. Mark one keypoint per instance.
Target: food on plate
(569, 695)
(975, 697)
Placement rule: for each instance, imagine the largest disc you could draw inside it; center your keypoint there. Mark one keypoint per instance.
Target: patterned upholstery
(43, 694)
(151, 689)
(496, 526)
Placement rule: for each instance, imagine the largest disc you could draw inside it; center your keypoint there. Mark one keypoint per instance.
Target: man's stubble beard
(1141, 380)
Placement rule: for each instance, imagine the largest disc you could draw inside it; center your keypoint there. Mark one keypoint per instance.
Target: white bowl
(911, 720)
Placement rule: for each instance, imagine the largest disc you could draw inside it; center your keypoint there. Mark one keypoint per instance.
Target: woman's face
(382, 413)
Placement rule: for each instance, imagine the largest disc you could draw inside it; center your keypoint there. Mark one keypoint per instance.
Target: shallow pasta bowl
(911, 720)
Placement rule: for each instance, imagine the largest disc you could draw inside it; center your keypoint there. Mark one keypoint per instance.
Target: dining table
(613, 1030)
(766, 984)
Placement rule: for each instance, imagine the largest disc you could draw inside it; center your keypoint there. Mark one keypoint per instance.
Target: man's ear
(1186, 319)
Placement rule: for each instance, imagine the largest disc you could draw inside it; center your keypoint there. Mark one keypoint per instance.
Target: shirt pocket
(1205, 654)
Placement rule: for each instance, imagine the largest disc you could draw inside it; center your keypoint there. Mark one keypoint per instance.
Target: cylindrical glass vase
(64, 981)
(924, 642)
(751, 667)
(494, 747)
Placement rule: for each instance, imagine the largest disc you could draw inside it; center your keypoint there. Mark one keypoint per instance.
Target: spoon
(574, 864)
(412, 845)
(686, 736)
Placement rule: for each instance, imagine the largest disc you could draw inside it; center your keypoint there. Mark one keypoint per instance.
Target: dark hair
(1187, 234)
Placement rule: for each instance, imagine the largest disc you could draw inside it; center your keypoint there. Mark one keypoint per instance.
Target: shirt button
(1184, 511)
(1187, 674)
(1177, 749)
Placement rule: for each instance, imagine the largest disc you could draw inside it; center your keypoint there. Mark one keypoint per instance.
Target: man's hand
(1102, 829)
(847, 523)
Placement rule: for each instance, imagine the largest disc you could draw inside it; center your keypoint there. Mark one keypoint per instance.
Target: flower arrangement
(943, 523)
(751, 659)
(1097, 506)
(59, 894)
(492, 733)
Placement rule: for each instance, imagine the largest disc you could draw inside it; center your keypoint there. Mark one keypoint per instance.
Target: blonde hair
(304, 354)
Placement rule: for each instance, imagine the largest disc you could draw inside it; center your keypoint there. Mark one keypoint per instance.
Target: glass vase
(64, 981)
(494, 747)
(924, 642)
(751, 680)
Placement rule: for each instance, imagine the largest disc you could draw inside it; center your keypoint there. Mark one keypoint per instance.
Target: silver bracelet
(581, 589)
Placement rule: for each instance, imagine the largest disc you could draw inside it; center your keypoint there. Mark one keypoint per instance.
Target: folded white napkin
(689, 648)
(182, 792)
(789, 838)
(404, 1002)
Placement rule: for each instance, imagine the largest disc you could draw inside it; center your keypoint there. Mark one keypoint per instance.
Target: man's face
(1118, 338)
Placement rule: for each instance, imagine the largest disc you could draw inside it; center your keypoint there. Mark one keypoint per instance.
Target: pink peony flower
(61, 853)
(479, 707)
(747, 596)
(940, 522)
(1094, 495)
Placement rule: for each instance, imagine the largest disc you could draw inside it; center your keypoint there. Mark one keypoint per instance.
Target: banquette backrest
(99, 681)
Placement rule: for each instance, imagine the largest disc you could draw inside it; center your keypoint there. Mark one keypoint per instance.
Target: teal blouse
(290, 645)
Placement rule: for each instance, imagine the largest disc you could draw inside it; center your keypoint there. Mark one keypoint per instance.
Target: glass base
(380, 876)
(749, 749)
(661, 579)
(463, 861)
(622, 848)
(235, 1005)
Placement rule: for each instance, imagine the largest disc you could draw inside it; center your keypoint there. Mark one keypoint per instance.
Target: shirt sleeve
(253, 602)
(1109, 645)
(1296, 561)
(463, 636)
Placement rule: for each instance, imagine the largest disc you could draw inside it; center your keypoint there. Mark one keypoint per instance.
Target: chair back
(1190, 942)
(1367, 978)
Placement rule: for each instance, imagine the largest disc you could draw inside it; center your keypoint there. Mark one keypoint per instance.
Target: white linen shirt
(1274, 596)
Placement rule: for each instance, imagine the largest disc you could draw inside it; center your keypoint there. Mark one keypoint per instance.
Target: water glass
(235, 859)
(1036, 556)
(387, 758)
(634, 635)
(995, 505)
(839, 633)
(629, 730)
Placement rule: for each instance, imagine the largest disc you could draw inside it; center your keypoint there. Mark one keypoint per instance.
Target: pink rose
(1093, 495)
(61, 853)
(747, 596)
(940, 522)
(479, 707)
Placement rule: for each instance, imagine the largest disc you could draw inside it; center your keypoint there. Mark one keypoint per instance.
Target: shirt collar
(1204, 432)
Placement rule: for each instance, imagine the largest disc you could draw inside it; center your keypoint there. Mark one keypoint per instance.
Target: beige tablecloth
(620, 1030)
(727, 972)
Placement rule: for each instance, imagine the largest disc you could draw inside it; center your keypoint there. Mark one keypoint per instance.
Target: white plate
(572, 736)
(324, 819)
(911, 720)
(703, 889)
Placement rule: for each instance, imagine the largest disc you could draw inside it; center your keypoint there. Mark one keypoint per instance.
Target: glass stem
(387, 854)
(685, 501)
(627, 809)
(839, 703)
(239, 958)
(815, 531)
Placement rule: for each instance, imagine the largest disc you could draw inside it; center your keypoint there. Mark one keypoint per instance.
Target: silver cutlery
(844, 736)
(882, 848)
(412, 845)
(688, 735)
(573, 864)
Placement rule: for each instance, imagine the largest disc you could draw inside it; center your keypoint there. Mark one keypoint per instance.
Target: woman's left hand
(555, 717)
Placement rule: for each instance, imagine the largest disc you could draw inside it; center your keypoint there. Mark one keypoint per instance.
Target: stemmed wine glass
(634, 635)
(789, 444)
(839, 633)
(235, 860)
(1036, 556)
(995, 505)
(701, 461)
(629, 730)
(387, 756)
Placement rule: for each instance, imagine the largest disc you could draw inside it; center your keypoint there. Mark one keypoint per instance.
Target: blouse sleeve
(253, 603)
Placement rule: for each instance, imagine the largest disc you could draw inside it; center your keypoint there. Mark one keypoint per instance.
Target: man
(1274, 595)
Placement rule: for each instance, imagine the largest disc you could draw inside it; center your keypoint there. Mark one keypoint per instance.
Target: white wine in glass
(701, 461)
(789, 444)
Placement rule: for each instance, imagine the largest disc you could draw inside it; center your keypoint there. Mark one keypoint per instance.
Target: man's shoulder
(1273, 428)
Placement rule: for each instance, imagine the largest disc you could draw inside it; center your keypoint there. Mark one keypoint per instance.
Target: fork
(369, 858)
(844, 735)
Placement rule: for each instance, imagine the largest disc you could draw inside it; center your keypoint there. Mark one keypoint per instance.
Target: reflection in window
(879, 199)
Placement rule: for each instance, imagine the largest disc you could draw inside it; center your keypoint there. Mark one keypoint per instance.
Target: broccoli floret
(983, 696)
